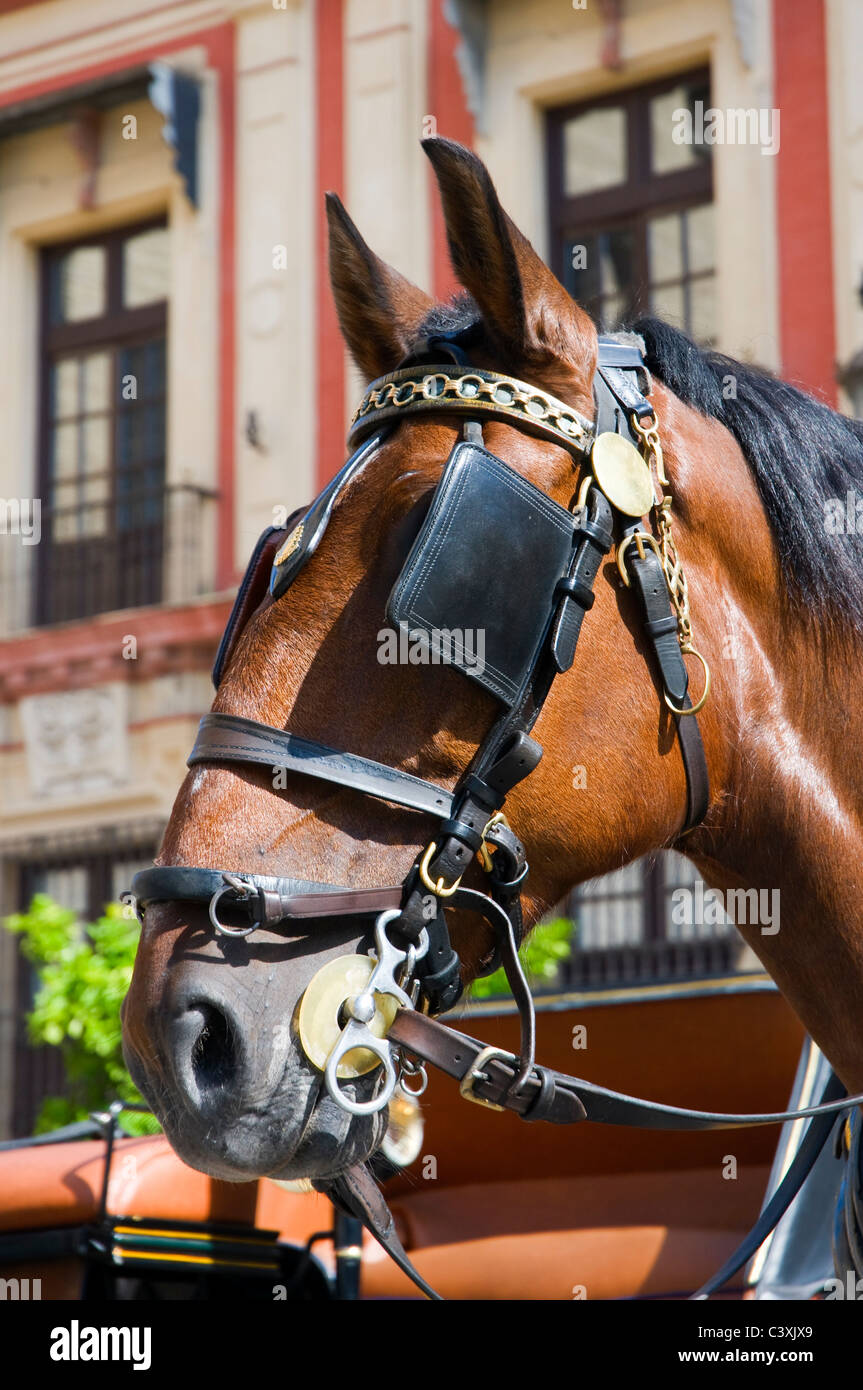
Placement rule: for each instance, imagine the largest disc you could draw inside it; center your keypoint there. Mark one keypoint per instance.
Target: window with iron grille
(636, 927)
(102, 423)
(631, 209)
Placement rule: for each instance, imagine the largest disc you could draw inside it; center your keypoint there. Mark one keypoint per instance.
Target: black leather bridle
(439, 378)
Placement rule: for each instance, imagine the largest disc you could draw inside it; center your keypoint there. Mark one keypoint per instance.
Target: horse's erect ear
(379, 310)
(523, 303)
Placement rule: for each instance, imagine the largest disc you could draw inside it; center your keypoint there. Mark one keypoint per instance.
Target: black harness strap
(251, 592)
(661, 628)
(228, 738)
(264, 900)
(817, 1133)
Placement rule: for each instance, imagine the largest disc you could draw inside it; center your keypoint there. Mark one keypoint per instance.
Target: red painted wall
(807, 325)
(447, 105)
(329, 126)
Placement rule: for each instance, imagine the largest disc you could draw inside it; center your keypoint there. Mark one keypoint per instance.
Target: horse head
(214, 1027)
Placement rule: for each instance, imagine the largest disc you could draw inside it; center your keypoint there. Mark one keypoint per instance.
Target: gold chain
(675, 578)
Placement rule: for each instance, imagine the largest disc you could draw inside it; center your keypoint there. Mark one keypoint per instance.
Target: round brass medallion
(319, 1024)
(622, 474)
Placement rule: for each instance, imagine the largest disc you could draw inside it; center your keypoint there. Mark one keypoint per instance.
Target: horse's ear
(379, 310)
(524, 304)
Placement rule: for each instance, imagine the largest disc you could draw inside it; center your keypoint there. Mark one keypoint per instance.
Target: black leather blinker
(251, 593)
(479, 582)
(303, 539)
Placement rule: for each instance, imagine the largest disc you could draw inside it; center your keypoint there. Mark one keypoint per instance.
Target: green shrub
(541, 954)
(84, 972)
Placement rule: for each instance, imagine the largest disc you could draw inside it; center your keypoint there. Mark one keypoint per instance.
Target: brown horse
(776, 602)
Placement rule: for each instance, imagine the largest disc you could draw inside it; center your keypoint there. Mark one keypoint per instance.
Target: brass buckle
(439, 889)
(483, 854)
(639, 537)
(474, 1072)
(688, 650)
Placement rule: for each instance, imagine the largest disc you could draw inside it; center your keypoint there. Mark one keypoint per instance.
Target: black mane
(800, 451)
(801, 454)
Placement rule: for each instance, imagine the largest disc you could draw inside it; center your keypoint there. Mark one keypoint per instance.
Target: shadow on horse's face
(211, 1022)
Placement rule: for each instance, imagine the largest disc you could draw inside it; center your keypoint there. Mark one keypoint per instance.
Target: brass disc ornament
(319, 1023)
(622, 474)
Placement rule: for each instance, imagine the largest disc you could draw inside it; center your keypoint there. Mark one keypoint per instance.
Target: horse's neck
(792, 826)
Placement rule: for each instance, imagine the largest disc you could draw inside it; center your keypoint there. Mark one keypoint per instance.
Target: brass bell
(403, 1140)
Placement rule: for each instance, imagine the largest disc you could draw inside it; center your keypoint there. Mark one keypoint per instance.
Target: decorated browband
(623, 470)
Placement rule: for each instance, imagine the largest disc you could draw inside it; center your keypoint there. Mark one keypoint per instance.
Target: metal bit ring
(233, 884)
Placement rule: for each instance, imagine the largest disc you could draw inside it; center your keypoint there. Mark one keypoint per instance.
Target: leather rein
(415, 962)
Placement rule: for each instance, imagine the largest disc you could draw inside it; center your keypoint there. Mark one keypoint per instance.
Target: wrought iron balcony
(114, 550)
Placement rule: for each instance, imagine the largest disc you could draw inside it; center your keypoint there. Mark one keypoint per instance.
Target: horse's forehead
(412, 462)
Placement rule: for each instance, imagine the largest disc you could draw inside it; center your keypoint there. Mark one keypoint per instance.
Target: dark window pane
(600, 274)
(145, 365)
(140, 439)
(104, 451)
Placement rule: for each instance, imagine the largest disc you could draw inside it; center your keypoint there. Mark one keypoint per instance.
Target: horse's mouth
(298, 1133)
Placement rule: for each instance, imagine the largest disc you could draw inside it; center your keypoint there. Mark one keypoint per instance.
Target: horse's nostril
(214, 1052)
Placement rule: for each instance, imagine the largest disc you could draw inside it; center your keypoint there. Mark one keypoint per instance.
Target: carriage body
(521, 1212)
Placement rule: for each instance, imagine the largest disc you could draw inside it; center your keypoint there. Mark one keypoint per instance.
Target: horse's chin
(299, 1134)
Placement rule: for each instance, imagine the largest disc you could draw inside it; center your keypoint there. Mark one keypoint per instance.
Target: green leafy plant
(84, 971)
(541, 954)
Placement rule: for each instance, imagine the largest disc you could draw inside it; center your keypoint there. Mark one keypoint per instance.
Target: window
(636, 927)
(102, 441)
(631, 208)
